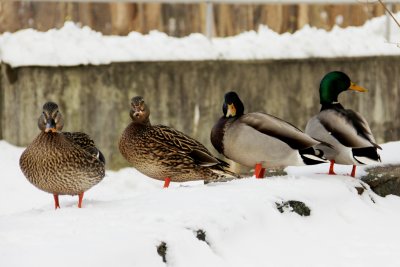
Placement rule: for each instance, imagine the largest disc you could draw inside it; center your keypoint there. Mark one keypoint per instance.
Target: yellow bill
(356, 87)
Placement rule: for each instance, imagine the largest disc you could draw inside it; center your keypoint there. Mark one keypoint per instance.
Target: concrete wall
(188, 95)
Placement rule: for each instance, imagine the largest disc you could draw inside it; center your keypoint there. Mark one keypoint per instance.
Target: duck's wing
(85, 142)
(348, 127)
(279, 129)
(182, 143)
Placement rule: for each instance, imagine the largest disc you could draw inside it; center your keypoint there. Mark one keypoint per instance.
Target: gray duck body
(258, 137)
(348, 134)
(62, 163)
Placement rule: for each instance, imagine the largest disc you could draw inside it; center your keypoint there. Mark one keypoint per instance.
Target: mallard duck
(61, 163)
(346, 131)
(166, 154)
(257, 137)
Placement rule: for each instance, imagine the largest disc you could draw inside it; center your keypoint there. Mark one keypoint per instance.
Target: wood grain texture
(181, 19)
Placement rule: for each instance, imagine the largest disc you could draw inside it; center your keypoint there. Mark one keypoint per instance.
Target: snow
(127, 215)
(72, 45)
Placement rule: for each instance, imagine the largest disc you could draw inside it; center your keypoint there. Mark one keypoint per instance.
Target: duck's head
(233, 106)
(140, 112)
(333, 84)
(51, 120)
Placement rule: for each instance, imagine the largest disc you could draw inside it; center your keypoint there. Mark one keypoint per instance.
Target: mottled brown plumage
(160, 151)
(61, 163)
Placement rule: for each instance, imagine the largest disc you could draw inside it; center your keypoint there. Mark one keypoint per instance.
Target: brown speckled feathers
(83, 140)
(160, 152)
(61, 163)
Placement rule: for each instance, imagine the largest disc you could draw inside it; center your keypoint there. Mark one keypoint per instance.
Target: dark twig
(389, 12)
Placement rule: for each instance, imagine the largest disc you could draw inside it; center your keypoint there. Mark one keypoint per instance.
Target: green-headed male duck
(347, 132)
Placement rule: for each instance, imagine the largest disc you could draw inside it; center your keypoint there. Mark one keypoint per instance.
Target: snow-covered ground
(128, 215)
(72, 45)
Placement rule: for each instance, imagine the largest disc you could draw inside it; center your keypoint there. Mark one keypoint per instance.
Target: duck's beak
(356, 87)
(136, 111)
(50, 126)
(231, 112)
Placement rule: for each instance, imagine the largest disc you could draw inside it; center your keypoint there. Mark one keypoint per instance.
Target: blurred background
(187, 93)
(180, 19)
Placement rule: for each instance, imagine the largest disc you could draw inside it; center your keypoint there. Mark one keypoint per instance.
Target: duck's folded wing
(203, 158)
(279, 129)
(85, 142)
(81, 139)
(174, 138)
(348, 127)
(181, 143)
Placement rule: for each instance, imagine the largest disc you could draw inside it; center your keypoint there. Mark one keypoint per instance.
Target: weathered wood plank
(181, 19)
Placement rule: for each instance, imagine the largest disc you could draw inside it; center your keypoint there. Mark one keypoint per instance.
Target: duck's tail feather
(95, 152)
(222, 175)
(312, 156)
(366, 155)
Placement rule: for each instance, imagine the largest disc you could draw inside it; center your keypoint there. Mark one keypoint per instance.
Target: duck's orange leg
(353, 171)
(56, 202)
(259, 171)
(331, 172)
(166, 182)
(80, 200)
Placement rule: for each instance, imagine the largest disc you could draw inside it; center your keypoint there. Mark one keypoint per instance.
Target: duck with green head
(346, 131)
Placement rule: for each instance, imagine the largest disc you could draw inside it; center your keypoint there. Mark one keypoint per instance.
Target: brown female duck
(164, 153)
(61, 163)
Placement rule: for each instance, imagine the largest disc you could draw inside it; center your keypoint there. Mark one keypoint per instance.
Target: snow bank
(72, 45)
(127, 215)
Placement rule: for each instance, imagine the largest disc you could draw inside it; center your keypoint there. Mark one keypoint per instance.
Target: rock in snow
(384, 180)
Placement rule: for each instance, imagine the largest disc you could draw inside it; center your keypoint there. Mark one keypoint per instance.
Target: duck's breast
(55, 165)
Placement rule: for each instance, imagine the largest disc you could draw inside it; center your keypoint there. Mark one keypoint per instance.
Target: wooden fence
(182, 19)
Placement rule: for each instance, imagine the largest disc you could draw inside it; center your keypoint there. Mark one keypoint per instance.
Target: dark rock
(294, 206)
(201, 235)
(269, 172)
(162, 251)
(360, 190)
(275, 172)
(383, 180)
